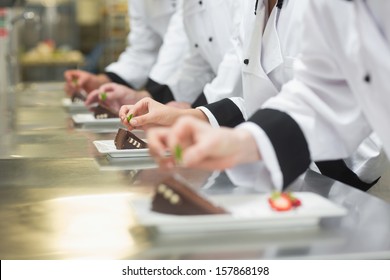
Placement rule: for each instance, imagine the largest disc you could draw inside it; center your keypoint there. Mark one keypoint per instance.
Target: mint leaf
(178, 153)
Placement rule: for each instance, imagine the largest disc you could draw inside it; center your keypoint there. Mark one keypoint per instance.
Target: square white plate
(248, 211)
(134, 163)
(73, 107)
(67, 102)
(89, 119)
(108, 147)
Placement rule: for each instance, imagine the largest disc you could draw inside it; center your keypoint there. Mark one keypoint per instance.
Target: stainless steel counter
(61, 199)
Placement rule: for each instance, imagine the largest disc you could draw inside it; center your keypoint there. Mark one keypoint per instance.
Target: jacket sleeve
(228, 81)
(174, 49)
(187, 83)
(227, 112)
(315, 117)
(135, 63)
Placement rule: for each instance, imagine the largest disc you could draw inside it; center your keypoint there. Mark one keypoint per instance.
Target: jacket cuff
(116, 79)
(288, 140)
(226, 112)
(159, 92)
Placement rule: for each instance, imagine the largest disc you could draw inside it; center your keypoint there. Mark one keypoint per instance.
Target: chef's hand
(77, 80)
(148, 113)
(202, 146)
(180, 105)
(114, 96)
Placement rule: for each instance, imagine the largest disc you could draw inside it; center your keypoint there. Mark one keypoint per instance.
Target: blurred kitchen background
(42, 38)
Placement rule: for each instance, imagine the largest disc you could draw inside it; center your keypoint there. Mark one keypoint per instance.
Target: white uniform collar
(279, 4)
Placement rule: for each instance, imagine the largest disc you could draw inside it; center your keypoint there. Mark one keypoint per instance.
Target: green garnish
(129, 117)
(103, 96)
(178, 153)
(75, 81)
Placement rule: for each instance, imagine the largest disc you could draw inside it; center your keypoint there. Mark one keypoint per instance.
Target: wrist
(103, 79)
(144, 93)
(249, 151)
(197, 113)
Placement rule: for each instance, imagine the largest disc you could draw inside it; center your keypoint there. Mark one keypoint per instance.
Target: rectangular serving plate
(247, 212)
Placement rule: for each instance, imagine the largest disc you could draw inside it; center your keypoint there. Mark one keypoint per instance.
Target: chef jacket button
(210, 39)
(246, 61)
(200, 2)
(196, 45)
(367, 78)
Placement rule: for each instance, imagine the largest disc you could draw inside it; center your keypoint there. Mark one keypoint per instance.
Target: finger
(82, 79)
(145, 120)
(68, 90)
(123, 112)
(184, 131)
(198, 154)
(69, 75)
(140, 113)
(157, 142)
(110, 87)
(92, 97)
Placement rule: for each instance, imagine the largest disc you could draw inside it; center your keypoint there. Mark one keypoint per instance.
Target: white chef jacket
(156, 43)
(209, 26)
(266, 58)
(337, 96)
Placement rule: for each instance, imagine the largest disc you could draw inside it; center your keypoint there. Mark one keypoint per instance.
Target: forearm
(103, 79)
(248, 149)
(198, 114)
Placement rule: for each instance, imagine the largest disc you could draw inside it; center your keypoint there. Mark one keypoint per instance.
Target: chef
(324, 113)
(156, 46)
(209, 26)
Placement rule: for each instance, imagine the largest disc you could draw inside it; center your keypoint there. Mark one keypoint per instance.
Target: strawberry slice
(280, 202)
(295, 201)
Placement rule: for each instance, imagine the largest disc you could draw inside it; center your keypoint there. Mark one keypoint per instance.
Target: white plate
(108, 147)
(90, 119)
(67, 102)
(248, 211)
(135, 163)
(73, 107)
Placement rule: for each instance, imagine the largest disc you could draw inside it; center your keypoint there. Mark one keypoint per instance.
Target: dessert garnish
(283, 201)
(178, 153)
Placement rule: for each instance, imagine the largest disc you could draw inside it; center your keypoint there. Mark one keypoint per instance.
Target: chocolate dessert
(78, 97)
(174, 197)
(124, 139)
(102, 112)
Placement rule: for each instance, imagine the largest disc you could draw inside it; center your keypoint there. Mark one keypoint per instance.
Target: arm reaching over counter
(203, 146)
(150, 113)
(114, 96)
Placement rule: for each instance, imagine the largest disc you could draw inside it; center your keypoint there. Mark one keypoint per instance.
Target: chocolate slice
(124, 139)
(103, 112)
(78, 97)
(174, 197)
